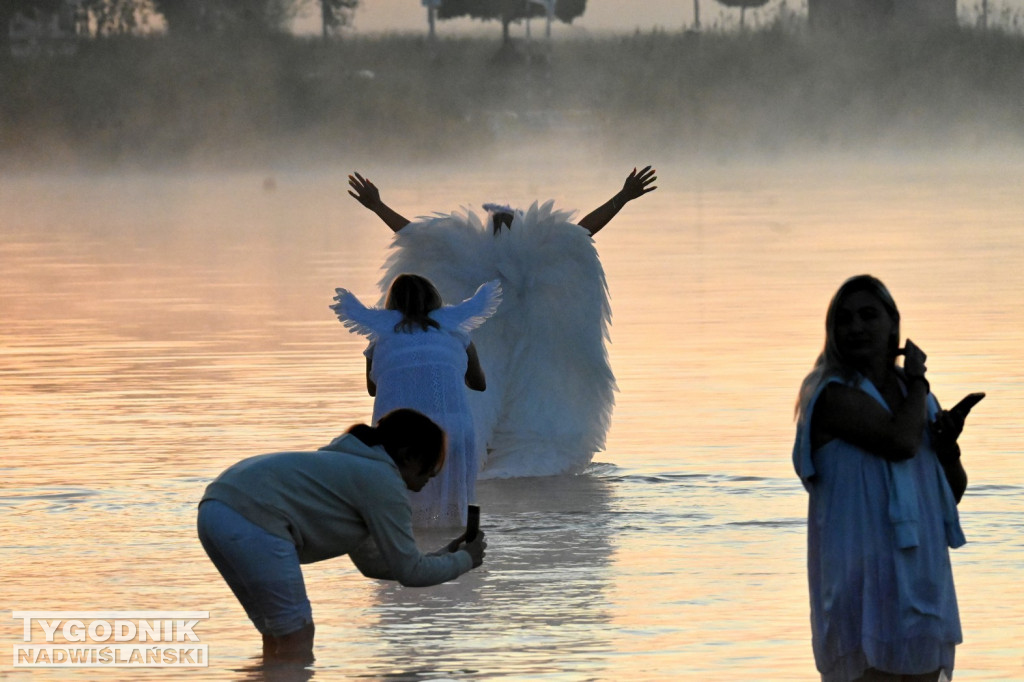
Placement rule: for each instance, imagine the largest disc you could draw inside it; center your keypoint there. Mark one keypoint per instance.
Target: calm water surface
(160, 327)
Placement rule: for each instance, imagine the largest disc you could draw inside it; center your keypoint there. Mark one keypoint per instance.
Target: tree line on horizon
(103, 18)
(219, 17)
(100, 18)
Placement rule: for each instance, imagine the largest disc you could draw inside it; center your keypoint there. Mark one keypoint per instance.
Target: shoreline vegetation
(161, 101)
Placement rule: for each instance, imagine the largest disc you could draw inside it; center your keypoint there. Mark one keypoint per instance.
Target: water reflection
(257, 671)
(148, 344)
(544, 581)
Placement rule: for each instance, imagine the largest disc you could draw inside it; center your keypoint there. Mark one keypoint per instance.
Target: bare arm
(854, 416)
(475, 378)
(367, 194)
(945, 431)
(371, 387)
(636, 186)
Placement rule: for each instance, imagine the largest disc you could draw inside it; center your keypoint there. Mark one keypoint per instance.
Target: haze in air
(232, 96)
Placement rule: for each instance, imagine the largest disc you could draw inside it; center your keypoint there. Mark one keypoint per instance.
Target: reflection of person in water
(264, 516)
(420, 356)
(555, 575)
(881, 463)
(550, 387)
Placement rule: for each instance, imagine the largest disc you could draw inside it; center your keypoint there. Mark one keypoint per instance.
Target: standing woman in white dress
(880, 461)
(420, 357)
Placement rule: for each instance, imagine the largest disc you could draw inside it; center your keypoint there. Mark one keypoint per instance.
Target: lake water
(159, 327)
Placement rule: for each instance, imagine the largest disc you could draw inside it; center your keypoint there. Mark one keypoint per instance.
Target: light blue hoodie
(347, 500)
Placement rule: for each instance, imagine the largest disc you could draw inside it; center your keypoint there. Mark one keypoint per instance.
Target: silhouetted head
(862, 318)
(415, 443)
(501, 216)
(861, 324)
(415, 297)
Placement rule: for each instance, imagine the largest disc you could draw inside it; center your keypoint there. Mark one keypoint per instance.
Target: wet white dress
(878, 533)
(425, 371)
(550, 389)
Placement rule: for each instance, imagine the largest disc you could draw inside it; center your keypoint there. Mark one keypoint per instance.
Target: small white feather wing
(473, 312)
(370, 322)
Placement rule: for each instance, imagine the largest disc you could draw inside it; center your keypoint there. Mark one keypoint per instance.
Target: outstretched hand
(636, 184)
(366, 193)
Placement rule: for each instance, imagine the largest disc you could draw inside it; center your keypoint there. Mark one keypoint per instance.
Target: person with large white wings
(550, 386)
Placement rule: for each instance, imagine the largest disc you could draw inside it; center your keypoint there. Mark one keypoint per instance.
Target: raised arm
(371, 386)
(636, 186)
(367, 194)
(854, 416)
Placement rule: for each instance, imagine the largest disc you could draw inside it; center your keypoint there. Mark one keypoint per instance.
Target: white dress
(425, 371)
(550, 389)
(878, 565)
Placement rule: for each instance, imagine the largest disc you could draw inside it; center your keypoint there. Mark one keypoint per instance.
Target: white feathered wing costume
(550, 389)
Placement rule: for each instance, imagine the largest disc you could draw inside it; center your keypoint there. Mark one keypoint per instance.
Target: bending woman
(264, 516)
(420, 357)
(881, 463)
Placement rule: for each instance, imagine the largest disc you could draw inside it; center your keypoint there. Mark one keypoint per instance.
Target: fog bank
(160, 101)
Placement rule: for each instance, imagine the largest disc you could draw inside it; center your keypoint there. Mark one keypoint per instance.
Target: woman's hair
(415, 297)
(831, 362)
(408, 436)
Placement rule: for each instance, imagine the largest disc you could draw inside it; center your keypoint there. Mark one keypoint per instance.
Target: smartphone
(472, 522)
(963, 407)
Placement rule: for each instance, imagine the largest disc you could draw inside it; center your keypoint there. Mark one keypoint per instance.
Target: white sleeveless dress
(425, 371)
(550, 389)
(878, 565)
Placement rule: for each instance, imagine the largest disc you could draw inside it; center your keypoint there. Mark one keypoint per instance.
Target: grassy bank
(167, 101)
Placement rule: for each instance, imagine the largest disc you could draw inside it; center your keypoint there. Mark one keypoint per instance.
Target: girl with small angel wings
(420, 357)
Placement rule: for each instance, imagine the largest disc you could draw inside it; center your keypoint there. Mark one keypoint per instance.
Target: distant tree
(31, 9)
(508, 11)
(117, 17)
(743, 5)
(336, 14)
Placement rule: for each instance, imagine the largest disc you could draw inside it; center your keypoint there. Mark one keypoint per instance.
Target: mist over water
(252, 102)
(173, 223)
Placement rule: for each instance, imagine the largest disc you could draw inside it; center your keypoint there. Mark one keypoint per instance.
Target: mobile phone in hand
(472, 522)
(963, 407)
